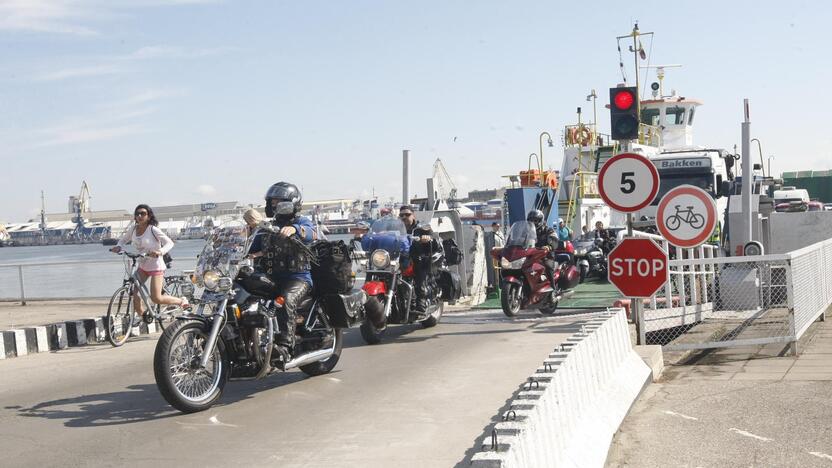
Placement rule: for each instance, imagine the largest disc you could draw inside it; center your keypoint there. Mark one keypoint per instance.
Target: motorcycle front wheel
(510, 299)
(181, 380)
(371, 333)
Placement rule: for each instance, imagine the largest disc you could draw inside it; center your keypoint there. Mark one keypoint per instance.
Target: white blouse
(152, 239)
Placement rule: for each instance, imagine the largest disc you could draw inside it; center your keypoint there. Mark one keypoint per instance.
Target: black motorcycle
(231, 334)
(591, 255)
(390, 289)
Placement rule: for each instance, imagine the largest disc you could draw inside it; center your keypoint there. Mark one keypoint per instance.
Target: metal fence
(68, 280)
(738, 301)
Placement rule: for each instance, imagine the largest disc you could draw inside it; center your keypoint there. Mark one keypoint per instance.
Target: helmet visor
(282, 208)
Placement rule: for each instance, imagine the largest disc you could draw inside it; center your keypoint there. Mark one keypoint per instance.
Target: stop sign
(637, 267)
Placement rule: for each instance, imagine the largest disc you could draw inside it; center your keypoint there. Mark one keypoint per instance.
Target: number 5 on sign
(628, 182)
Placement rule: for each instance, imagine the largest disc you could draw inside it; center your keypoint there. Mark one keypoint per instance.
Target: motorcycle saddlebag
(448, 282)
(333, 273)
(570, 278)
(345, 310)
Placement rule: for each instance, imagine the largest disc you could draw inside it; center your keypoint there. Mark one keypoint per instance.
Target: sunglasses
(140, 213)
(405, 215)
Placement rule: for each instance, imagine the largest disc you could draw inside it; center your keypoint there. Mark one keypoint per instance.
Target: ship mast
(638, 51)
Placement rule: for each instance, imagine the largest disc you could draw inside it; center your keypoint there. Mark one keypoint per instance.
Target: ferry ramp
(593, 294)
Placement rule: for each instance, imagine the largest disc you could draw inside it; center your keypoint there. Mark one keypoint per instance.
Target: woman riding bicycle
(148, 239)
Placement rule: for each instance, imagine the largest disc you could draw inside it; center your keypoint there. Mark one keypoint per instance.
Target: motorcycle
(524, 281)
(590, 257)
(231, 333)
(390, 281)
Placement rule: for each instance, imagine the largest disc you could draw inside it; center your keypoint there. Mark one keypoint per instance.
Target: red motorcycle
(525, 284)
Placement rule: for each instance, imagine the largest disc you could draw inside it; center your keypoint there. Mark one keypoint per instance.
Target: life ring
(584, 136)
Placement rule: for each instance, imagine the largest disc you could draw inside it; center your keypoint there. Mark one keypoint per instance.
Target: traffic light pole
(635, 302)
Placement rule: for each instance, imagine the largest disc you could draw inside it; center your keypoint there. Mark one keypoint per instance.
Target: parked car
(815, 206)
(794, 206)
(827, 206)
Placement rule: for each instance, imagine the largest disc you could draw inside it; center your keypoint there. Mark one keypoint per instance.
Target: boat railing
(584, 135)
(583, 185)
(649, 135)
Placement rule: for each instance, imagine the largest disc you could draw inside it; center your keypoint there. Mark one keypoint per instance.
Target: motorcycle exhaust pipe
(310, 357)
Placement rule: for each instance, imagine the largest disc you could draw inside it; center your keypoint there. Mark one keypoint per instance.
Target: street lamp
(760, 148)
(549, 142)
(592, 97)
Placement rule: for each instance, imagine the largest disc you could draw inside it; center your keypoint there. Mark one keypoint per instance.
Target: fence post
(22, 285)
(790, 302)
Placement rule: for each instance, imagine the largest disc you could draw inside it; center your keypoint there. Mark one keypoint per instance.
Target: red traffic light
(623, 99)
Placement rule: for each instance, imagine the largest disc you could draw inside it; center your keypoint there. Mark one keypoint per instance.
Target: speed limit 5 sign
(628, 182)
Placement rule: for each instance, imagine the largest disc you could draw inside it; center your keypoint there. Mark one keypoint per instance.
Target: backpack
(165, 258)
(453, 256)
(332, 274)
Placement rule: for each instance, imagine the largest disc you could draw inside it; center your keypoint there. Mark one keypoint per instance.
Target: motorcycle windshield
(522, 234)
(393, 242)
(388, 225)
(223, 251)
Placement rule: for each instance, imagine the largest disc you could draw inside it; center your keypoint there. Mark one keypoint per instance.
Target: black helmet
(536, 217)
(288, 197)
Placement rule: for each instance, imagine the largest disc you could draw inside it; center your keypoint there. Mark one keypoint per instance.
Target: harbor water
(91, 269)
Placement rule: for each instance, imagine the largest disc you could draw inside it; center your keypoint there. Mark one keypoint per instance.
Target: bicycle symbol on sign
(694, 220)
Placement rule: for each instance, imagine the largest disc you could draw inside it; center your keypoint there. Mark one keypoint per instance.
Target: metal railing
(67, 279)
(741, 301)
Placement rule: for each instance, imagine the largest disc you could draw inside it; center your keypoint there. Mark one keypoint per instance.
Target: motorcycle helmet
(535, 217)
(283, 200)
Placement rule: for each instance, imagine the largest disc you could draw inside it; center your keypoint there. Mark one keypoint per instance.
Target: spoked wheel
(120, 317)
(183, 383)
(510, 299)
(435, 317)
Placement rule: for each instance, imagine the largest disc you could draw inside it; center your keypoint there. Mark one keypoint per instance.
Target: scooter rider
(286, 263)
(547, 239)
(428, 242)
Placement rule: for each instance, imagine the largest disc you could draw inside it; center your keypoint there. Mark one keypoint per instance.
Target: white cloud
(69, 134)
(174, 52)
(206, 190)
(72, 17)
(78, 72)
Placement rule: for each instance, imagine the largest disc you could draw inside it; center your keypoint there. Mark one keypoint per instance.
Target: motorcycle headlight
(513, 265)
(224, 284)
(380, 259)
(211, 279)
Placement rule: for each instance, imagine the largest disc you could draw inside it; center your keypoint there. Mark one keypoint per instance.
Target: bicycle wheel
(120, 316)
(673, 222)
(697, 221)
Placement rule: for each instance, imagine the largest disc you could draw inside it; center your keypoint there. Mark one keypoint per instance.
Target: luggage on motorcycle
(448, 282)
(453, 255)
(570, 278)
(333, 274)
(345, 310)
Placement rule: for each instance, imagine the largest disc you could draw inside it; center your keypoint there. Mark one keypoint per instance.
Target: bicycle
(674, 221)
(121, 318)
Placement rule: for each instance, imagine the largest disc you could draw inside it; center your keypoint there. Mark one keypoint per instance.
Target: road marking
(334, 379)
(681, 415)
(213, 420)
(748, 434)
(821, 455)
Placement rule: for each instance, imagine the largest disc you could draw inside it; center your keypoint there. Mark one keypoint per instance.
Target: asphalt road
(420, 399)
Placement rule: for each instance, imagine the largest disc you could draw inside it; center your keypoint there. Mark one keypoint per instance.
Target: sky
(187, 101)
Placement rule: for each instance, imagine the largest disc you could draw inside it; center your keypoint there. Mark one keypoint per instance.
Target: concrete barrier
(58, 336)
(566, 414)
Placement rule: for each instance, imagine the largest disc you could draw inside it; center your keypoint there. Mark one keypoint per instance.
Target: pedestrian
(147, 238)
(499, 237)
(253, 218)
(563, 232)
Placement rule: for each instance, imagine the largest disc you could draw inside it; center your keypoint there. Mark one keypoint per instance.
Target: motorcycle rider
(287, 264)
(428, 242)
(604, 235)
(547, 239)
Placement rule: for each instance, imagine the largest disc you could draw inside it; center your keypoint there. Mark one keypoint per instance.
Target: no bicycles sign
(686, 216)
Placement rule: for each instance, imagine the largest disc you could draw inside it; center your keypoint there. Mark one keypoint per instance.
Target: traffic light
(624, 113)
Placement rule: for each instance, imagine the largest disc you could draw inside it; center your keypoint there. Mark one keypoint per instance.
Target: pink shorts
(152, 273)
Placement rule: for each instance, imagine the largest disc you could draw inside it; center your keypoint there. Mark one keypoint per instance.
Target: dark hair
(151, 218)
(406, 208)
(495, 224)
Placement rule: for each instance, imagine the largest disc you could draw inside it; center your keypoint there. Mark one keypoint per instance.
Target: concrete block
(94, 330)
(487, 460)
(31, 340)
(21, 349)
(4, 351)
(652, 356)
(41, 339)
(56, 333)
(76, 335)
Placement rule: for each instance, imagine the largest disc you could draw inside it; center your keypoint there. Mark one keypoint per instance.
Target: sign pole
(635, 302)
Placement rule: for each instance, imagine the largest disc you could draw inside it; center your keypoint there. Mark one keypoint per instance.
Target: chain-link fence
(712, 302)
